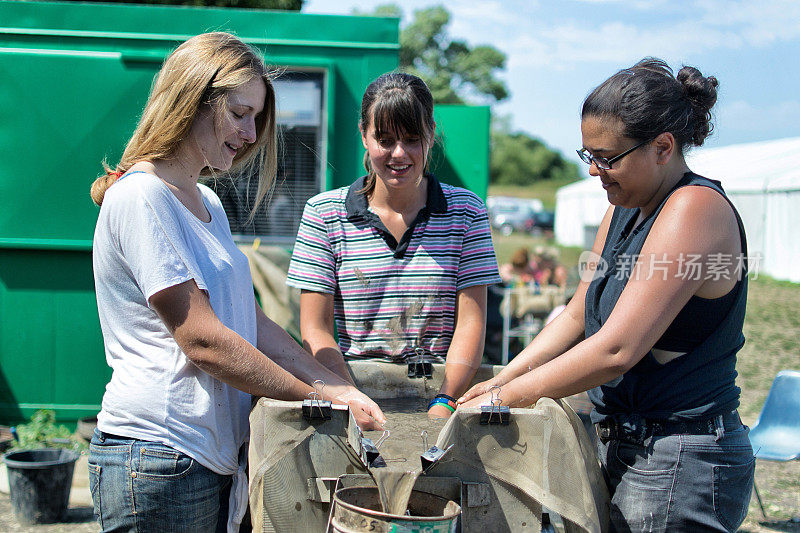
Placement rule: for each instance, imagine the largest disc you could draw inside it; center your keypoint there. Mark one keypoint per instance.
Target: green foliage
(281, 5)
(519, 159)
(42, 431)
(453, 70)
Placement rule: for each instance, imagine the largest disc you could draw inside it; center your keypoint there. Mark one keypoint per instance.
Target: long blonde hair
(201, 72)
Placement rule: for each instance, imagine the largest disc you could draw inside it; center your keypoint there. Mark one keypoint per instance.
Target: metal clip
(419, 368)
(370, 455)
(316, 407)
(384, 436)
(495, 413)
(432, 456)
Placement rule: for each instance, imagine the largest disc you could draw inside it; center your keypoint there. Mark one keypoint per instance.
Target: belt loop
(719, 428)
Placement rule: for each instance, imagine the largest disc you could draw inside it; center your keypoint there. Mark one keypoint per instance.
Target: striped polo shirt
(391, 298)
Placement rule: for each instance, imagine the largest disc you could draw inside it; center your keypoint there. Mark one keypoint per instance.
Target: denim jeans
(142, 486)
(679, 482)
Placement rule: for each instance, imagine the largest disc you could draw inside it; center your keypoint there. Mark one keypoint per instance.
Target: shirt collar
(356, 202)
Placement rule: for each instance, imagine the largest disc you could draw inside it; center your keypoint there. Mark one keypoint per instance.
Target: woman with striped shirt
(398, 261)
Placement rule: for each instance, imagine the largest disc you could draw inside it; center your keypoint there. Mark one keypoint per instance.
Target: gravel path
(79, 520)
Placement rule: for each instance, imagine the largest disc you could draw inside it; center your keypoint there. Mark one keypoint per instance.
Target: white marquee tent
(762, 180)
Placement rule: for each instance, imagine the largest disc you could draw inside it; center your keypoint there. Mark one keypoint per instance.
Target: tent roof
(766, 165)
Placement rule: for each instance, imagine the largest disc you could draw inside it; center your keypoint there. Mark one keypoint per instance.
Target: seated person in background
(547, 270)
(519, 271)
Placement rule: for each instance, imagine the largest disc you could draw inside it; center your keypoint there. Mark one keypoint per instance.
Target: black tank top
(697, 385)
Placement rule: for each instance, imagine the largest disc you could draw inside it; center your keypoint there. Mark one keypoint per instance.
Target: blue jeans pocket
(157, 461)
(659, 461)
(733, 485)
(94, 487)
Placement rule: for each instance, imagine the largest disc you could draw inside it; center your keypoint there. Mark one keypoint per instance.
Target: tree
(283, 5)
(518, 159)
(453, 70)
(455, 73)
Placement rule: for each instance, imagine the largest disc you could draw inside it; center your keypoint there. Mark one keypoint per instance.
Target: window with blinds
(299, 106)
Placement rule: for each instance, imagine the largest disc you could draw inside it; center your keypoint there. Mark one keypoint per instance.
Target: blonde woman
(186, 340)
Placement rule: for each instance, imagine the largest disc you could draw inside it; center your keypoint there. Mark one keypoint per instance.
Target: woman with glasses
(655, 326)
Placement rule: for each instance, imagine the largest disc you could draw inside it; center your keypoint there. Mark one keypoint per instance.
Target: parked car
(544, 220)
(509, 215)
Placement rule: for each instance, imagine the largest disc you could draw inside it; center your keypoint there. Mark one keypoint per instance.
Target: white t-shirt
(146, 241)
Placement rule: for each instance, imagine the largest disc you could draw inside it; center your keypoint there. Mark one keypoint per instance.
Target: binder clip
(495, 413)
(432, 455)
(419, 368)
(316, 407)
(370, 452)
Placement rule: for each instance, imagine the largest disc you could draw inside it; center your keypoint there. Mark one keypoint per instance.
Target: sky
(559, 50)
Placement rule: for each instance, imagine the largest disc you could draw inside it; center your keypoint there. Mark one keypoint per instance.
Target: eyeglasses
(603, 163)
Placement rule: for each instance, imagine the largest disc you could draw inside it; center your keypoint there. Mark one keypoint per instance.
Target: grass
(771, 328)
(544, 190)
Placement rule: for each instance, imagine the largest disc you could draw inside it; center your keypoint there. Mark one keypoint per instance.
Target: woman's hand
(476, 400)
(480, 389)
(512, 399)
(366, 412)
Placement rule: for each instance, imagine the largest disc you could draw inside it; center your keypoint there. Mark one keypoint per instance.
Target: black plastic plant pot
(39, 482)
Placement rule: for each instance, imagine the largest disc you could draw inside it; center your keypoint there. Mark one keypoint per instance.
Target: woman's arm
(316, 328)
(224, 354)
(466, 349)
(564, 332)
(366, 412)
(694, 221)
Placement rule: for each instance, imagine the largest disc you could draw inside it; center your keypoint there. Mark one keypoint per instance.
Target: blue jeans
(679, 482)
(142, 486)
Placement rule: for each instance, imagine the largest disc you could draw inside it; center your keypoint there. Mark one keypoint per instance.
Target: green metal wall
(461, 153)
(73, 80)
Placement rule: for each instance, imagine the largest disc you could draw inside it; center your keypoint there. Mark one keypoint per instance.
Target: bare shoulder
(699, 201)
(699, 211)
(698, 221)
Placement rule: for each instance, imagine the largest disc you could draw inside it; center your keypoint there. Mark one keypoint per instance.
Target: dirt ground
(79, 520)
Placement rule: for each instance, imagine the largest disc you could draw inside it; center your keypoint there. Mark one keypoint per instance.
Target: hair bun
(701, 91)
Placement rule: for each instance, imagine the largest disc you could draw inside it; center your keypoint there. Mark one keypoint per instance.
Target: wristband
(442, 401)
(446, 397)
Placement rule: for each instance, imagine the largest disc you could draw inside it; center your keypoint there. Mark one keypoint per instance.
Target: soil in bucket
(39, 482)
(358, 509)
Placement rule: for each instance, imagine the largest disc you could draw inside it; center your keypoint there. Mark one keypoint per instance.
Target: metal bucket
(356, 510)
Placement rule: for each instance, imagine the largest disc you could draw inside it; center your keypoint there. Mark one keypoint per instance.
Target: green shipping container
(73, 81)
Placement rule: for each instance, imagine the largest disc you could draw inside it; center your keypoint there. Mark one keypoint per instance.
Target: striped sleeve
(312, 264)
(478, 264)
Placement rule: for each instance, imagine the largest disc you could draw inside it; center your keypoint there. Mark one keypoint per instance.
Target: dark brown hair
(400, 103)
(520, 258)
(649, 100)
